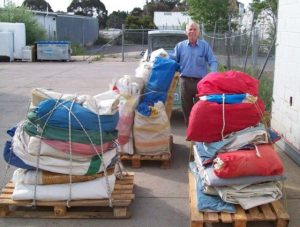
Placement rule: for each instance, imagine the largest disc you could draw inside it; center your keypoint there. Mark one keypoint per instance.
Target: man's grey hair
(188, 25)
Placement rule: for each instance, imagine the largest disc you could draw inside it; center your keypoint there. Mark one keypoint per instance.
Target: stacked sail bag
(245, 172)
(235, 158)
(130, 89)
(227, 102)
(151, 127)
(66, 144)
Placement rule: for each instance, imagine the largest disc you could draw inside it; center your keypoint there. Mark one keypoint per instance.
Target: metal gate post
(123, 31)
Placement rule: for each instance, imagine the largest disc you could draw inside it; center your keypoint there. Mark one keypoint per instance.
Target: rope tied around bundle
(40, 129)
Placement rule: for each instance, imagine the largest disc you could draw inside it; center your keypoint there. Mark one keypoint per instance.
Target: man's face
(192, 33)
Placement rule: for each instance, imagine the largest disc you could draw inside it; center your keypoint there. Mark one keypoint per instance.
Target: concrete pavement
(161, 195)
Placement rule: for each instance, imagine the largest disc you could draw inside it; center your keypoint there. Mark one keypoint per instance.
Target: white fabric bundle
(105, 103)
(36, 147)
(143, 70)
(130, 85)
(128, 147)
(235, 141)
(53, 164)
(252, 195)
(145, 67)
(45, 177)
(159, 53)
(94, 189)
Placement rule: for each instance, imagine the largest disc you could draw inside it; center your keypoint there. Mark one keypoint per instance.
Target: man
(193, 56)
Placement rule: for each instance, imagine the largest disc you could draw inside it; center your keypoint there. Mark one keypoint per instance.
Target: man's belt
(190, 78)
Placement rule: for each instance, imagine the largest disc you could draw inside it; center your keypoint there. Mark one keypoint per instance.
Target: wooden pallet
(273, 212)
(93, 208)
(136, 159)
(191, 151)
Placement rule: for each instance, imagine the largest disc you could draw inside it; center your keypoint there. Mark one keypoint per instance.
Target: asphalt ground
(161, 196)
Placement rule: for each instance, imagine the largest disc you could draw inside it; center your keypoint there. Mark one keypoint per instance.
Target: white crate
(27, 53)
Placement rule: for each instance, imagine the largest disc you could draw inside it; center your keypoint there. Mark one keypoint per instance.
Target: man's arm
(175, 55)
(212, 60)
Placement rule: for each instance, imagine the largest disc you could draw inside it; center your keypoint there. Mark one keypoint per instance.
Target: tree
(145, 22)
(266, 11)
(13, 14)
(181, 7)
(210, 12)
(138, 19)
(170, 3)
(116, 19)
(133, 22)
(160, 5)
(137, 12)
(91, 8)
(39, 5)
(261, 8)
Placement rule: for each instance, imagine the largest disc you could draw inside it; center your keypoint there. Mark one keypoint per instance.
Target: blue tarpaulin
(228, 98)
(209, 202)
(159, 82)
(9, 155)
(56, 113)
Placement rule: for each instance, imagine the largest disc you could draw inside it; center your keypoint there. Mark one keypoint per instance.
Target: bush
(266, 91)
(77, 49)
(265, 85)
(101, 40)
(12, 14)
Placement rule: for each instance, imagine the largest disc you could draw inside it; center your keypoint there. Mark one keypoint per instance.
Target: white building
(286, 91)
(171, 20)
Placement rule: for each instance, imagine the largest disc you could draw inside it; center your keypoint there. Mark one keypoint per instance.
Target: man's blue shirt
(194, 60)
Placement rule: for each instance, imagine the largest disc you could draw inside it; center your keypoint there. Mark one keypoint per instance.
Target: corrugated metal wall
(79, 30)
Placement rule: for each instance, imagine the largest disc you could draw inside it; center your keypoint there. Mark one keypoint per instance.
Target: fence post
(143, 39)
(240, 42)
(82, 30)
(227, 44)
(123, 31)
(248, 43)
(268, 56)
(213, 40)
(255, 46)
(203, 31)
(82, 38)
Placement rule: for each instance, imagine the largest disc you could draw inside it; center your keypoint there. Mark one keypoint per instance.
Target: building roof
(57, 14)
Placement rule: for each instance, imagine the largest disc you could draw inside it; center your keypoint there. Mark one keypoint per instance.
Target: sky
(111, 5)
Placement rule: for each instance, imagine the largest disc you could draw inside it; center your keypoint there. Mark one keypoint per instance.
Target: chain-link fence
(124, 44)
(246, 51)
(241, 49)
(235, 49)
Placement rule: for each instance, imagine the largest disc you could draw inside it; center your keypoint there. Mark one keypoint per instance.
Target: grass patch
(266, 91)
(78, 50)
(98, 57)
(265, 83)
(101, 41)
